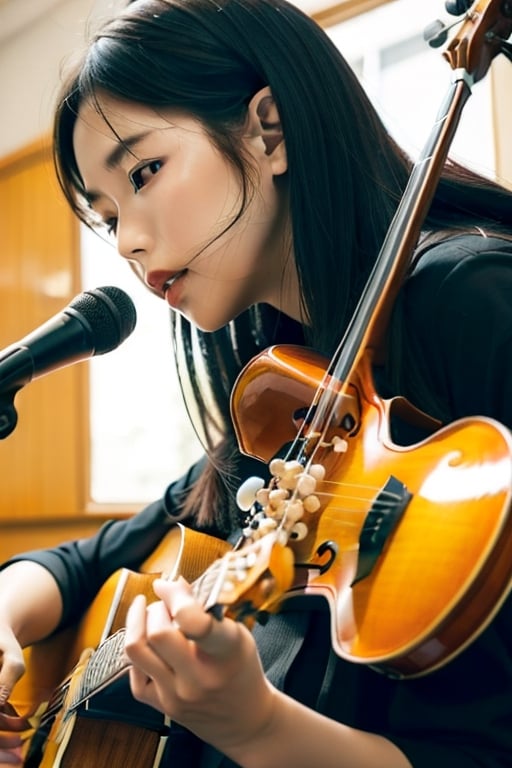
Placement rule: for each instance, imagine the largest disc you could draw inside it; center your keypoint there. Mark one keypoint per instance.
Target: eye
(102, 223)
(111, 225)
(140, 175)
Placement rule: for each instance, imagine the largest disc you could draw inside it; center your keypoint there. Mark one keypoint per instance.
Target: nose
(133, 239)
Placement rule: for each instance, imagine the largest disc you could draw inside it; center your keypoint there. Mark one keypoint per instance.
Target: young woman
(232, 154)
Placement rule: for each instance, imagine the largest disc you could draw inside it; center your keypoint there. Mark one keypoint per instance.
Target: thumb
(13, 667)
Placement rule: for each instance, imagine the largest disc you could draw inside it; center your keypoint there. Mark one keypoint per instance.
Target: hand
(11, 755)
(10, 739)
(12, 668)
(12, 663)
(201, 672)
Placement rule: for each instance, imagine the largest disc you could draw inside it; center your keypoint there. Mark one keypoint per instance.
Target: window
(141, 438)
(407, 79)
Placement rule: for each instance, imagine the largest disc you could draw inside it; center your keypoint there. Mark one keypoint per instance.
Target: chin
(211, 324)
(206, 326)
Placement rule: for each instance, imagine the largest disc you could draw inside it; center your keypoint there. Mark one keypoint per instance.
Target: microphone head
(110, 313)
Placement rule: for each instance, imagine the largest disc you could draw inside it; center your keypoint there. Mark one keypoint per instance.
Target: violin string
(361, 504)
(362, 486)
(322, 409)
(385, 499)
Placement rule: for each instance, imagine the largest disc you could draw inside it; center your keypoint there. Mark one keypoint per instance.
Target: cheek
(202, 198)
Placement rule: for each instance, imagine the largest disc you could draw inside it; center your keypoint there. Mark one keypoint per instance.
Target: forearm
(298, 736)
(30, 601)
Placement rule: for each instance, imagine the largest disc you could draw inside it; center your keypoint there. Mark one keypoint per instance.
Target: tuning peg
(458, 7)
(246, 494)
(435, 34)
(504, 45)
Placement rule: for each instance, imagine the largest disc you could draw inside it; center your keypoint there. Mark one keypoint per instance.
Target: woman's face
(158, 181)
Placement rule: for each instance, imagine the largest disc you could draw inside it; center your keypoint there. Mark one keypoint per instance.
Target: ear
(264, 120)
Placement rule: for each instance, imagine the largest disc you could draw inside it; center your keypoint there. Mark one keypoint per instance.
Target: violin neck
(369, 322)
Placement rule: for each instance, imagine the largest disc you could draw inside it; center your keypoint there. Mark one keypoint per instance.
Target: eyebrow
(115, 157)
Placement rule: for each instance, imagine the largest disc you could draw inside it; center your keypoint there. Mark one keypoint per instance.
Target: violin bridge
(383, 517)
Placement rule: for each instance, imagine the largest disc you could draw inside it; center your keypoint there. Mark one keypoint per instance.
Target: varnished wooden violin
(412, 547)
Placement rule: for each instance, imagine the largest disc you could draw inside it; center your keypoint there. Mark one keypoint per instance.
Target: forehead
(110, 121)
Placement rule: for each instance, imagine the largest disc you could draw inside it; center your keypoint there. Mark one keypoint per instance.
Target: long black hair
(345, 173)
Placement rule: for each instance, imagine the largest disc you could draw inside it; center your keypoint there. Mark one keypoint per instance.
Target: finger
(187, 613)
(13, 667)
(212, 636)
(10, 741)
(13, 722)
(141, 634)
(136, 620)
(149, 671)
(10, 758)
(140, 685)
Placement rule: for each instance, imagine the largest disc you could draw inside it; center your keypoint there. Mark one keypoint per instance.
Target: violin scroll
(482, 37)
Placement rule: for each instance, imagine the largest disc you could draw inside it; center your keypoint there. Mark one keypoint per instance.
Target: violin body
(445, 567)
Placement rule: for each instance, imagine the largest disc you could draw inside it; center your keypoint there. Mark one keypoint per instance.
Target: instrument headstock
(482, 36)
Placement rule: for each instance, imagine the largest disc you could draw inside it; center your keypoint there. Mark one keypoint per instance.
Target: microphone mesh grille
(110, 313)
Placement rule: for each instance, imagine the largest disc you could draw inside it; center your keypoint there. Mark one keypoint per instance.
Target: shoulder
(462, 274)
(463, 252)
(457, 320)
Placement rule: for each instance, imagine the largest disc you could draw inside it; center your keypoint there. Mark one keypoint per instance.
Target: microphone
(96, 321)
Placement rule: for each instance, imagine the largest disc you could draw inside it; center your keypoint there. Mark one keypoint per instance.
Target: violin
(410, 546)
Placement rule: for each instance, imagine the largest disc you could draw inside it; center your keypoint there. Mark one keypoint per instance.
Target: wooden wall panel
(44, 462)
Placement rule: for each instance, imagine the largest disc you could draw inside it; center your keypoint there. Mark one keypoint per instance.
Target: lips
(173, 279)
(173, 289)
(160, 281)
